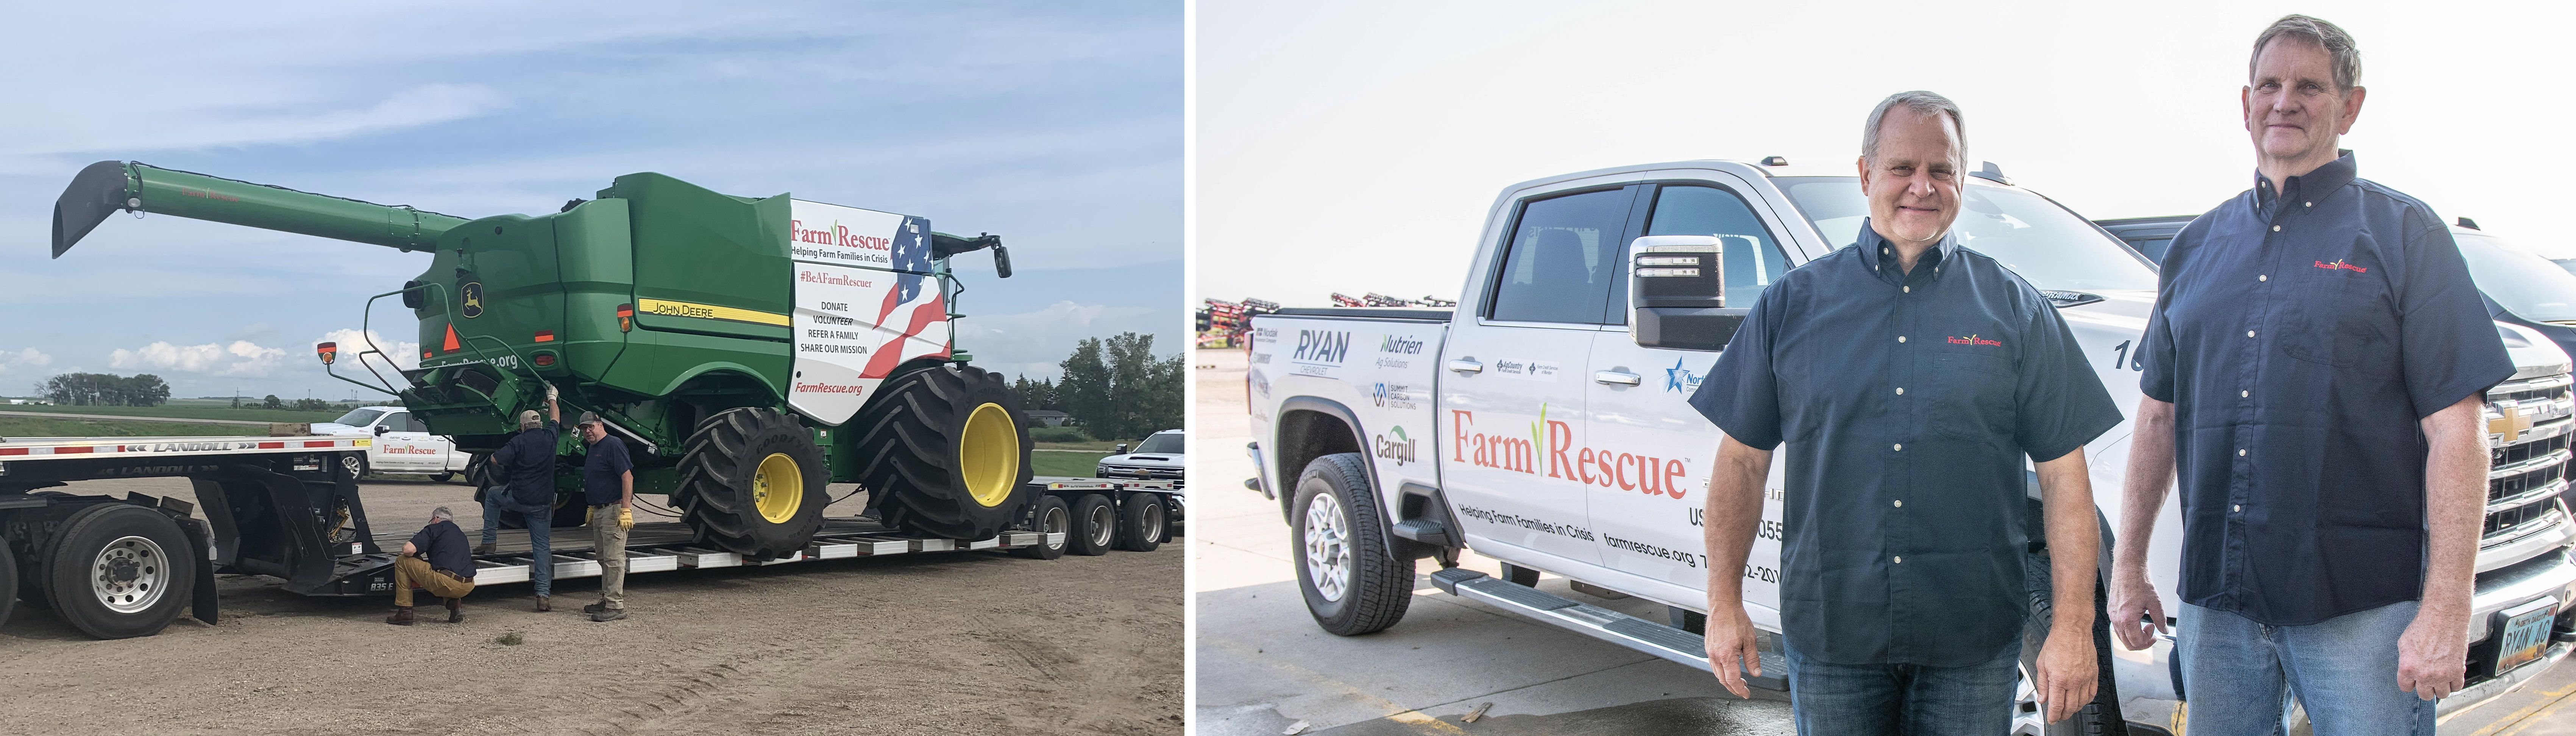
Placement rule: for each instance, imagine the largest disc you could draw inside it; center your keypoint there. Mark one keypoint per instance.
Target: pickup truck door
(406, 443)
(1513, 378)
(1651, 451)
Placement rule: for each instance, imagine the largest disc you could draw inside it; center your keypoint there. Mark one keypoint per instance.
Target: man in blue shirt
(2315, 368)
(434, 560)
(608, 483)
(1909, 377)
(524, 469)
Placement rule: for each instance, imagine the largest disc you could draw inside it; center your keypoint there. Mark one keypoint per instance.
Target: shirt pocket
(1972, 396)
(2334, 326)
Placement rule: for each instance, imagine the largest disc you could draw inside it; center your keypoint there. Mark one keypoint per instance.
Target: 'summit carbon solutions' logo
(1399, 448)
(1549, 450)
(1975, 340)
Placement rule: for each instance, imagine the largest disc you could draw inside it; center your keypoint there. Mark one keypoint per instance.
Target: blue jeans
(541, 542)
(1913, 700)
(2344, 670)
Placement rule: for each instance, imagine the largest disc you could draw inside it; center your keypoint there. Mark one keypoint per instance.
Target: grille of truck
(2528, 431)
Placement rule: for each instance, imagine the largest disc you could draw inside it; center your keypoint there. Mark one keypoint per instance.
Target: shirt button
(1900, 503)
(1900, 338)
(1900, 559)
(1900, 390)
(2236, 508)
(2264, 277)
(2276, 228)
(2311, 204)
(2240, 452)
(1900, 447)
(2244, 394)
(2249, 333)
(1908, 289)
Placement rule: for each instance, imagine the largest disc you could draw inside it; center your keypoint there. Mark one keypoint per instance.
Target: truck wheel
(1352, 586)
(8, 581)
(752, 483)
(1053, 517)
(120, 571)
(2102, 715)
(1140, 522)
(443, 477)
(1095, 525)
(946, 453)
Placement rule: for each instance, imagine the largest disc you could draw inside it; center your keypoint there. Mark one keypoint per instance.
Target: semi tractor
(1543, 422)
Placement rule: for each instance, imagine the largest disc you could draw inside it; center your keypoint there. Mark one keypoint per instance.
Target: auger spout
(106, 187)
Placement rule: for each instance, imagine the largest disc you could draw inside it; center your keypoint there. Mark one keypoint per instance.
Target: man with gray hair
(2315, 368)
(434, 560)
(1909, 377)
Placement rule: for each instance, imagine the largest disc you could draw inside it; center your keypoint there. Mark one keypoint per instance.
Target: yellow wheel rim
(777, 488)
(988, 455)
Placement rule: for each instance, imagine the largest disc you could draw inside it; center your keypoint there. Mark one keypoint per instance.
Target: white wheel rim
(1055, 522)
(1328, 549)
(1103, 525)
(129, 575)
(1154, 522)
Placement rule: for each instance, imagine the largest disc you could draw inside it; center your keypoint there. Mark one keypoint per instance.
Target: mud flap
(202, 603)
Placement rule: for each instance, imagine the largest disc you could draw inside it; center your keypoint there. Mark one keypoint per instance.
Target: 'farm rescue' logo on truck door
(1549, 450)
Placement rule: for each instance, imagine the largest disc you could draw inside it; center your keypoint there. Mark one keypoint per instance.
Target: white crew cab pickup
(1543, 422)
(403, 443)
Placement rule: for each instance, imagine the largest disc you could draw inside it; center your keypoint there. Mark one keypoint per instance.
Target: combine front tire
(752, 483)
(120, 571)
(946, 455)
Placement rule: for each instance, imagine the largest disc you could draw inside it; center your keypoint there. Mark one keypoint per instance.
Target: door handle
(1466, 366)
(1619, 377)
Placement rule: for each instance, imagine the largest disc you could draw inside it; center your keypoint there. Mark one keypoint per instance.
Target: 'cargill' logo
(1399, 447)
(2339, 265)
(1975, 340)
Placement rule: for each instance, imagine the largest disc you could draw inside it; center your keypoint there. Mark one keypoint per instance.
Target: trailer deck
(654, 547)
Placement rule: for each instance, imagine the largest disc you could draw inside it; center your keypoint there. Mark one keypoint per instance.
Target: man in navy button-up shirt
(2315, 367)
(1909, 378)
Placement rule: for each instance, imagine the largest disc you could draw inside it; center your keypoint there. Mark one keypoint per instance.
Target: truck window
(1563, 257)
(413, 423)
(359, 417)
(2043, 242)
(1752, 258)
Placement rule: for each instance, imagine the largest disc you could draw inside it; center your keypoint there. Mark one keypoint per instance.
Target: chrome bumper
(2547, 575)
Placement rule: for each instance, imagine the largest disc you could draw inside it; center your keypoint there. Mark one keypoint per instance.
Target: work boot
(545, 603)
(455, 610)
(402, 616)
(595, 607)
(487, 548)
(607, 614)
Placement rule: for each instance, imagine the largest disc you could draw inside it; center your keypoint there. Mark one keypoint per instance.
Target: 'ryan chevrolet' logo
(2339, 265)
(1975, 340)
(2511, 424)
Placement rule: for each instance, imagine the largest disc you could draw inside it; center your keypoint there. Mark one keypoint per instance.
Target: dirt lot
(957, 642)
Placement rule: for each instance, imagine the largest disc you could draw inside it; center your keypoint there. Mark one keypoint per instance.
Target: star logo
(1681, 380)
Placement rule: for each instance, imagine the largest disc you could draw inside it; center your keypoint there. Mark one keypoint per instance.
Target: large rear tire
(946, 453)
(119, 571)
(1055, 517)
(1352, 586)
(1140, 522)
(752, 483)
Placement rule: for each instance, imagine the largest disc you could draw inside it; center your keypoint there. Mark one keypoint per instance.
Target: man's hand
(2432, 656)
(2067, 674)
(2136, 615)
(410, 550)
(550, 392)
(625, 517)
(1730, 645)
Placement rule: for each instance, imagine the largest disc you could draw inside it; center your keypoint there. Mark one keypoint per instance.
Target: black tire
(8, 581)
(146, 545)
(717, 494)
(1142, 521)
(921, 464)
(1095, 526)
(1379, 587)
(443, 477)
(2101, 717)
(1052, 516)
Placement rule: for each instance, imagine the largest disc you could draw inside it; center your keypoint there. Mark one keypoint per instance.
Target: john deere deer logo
(473, 297)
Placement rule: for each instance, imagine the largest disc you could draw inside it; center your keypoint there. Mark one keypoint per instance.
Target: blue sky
(1057, 126)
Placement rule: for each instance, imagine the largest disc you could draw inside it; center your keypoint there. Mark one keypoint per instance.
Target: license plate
(2526, 630)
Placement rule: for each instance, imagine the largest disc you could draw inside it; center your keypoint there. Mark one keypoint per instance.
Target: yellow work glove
(625, 517)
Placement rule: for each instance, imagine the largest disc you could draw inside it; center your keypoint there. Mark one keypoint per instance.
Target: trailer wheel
(1351, 585)
(752, 483)
(1053, 517)
(945, 452)
(1095, 526)
(120, 571)
(8, 581)
(1141, 522)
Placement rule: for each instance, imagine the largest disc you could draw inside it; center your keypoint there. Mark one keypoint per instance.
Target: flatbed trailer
(290, 507)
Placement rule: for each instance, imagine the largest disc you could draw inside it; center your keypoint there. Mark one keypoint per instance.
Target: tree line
(1113, 388)
(105, 389)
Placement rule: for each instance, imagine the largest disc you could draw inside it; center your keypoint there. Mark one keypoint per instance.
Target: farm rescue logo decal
(1549, 450)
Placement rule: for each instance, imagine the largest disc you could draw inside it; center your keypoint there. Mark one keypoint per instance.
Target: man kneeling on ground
(436, 560)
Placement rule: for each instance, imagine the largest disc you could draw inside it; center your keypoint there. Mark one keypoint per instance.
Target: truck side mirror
(1122, 449)
(381, 429)
(1677, 293)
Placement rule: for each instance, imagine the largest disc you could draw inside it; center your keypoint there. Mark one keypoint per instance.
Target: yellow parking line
(2520, 719)
(1419, 720)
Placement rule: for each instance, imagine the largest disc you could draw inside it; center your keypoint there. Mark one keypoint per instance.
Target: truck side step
(1662, 641)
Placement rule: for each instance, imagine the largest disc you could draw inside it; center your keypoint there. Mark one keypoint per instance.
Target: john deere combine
(750, 349)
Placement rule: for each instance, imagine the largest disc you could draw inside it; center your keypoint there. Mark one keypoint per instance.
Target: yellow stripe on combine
(667, 308)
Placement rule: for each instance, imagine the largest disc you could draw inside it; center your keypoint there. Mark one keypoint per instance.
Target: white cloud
(405, 353)
(240, 358)
(24, 360)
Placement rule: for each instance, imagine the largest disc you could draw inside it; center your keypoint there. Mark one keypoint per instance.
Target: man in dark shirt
(1909, 378)
(434, 560)
(524, 469)
(2315, 366)
(608, 480)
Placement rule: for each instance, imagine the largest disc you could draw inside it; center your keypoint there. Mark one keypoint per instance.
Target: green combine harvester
(749, 349)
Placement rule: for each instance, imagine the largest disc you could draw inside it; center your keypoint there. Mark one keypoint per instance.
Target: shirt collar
(2311, 185)
(1882, 254)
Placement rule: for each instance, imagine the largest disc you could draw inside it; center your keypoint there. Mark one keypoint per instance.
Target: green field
(1077, 464)
(45, 427)
(191, 410)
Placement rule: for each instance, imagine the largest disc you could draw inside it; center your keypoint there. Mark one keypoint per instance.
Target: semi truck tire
(947, 453)
(119, 571)
(752, 483)
(1141, 522)
(1351, 585)
(8, 581)
(1095, 526)
(1053, 516)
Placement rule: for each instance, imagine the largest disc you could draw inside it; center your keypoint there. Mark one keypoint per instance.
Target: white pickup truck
(403, 443)
(1543, 422)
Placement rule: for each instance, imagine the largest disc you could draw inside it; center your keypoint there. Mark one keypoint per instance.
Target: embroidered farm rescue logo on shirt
(2339, 265)
(1975, 340)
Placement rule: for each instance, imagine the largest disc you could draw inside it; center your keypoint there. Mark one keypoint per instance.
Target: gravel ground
(939, 643)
